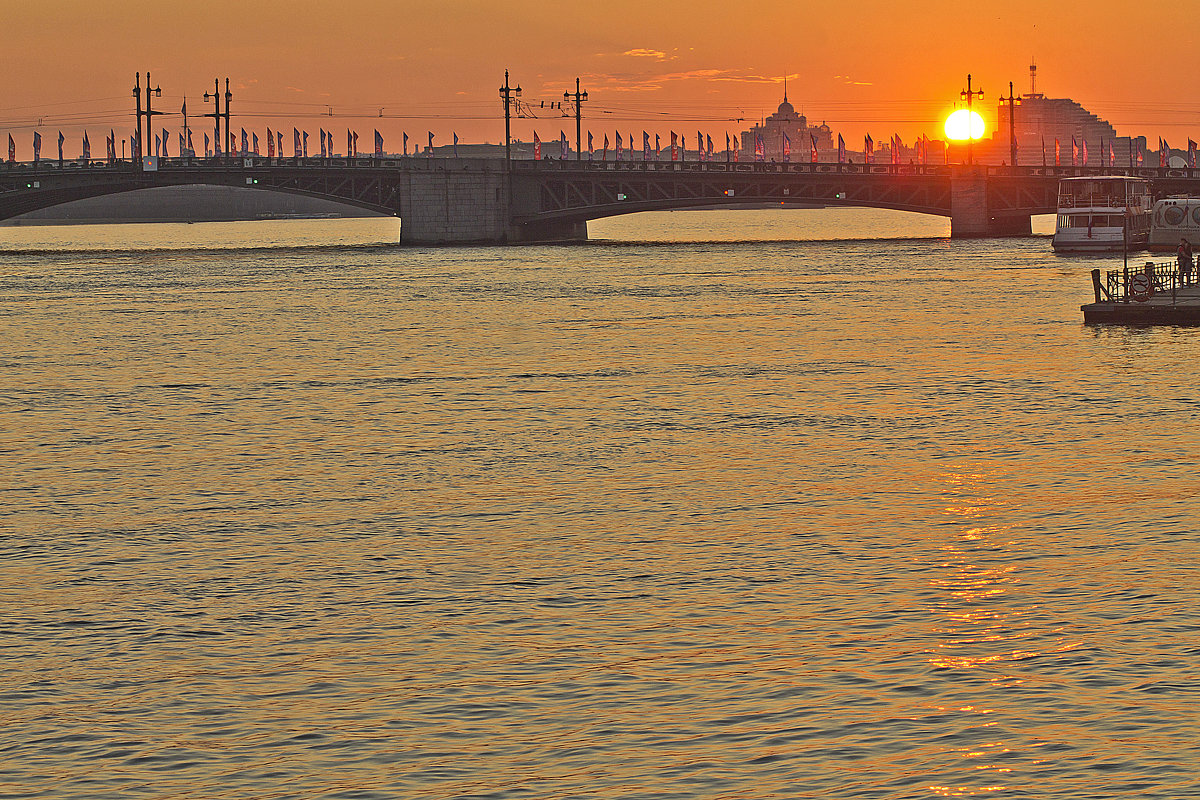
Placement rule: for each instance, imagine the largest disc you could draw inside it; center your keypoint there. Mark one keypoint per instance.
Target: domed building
(785, 120)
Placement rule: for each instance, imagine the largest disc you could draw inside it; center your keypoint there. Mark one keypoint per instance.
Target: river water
(755, 504)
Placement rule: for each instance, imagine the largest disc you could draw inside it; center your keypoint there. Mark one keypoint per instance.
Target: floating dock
(1153, 294)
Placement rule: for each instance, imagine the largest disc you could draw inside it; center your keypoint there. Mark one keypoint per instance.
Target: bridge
(494, 201)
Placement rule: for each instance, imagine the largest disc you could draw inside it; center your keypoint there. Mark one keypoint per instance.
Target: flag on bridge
(760, 150)
(245, 143)
(787, 148)
(562, 146)
(429, 153)
(111, 141)
(304, 144)
(645, 146)
(37, 146)
(1085, 153)
(207, 149)
(87, 148)
(406, 144)
(1057, 152)
(868, 150)
(895, 149)
(657, 146)
(378, 144)
(728, 149)
(674, 146)
(270, 143)
(537, 147)
(591, 148)
(841, 150)
(1163, 152)
(709, 146)
(456, 145)
(356, 144)
(278, 143)
(1140, 157)
(605, 156)
(324, 150)
(12, 149)
(619, 153)
(1191, 154)
(157, 145)
(683, 146)
(812, 153)
(254, 147)
(700, 146)
(1074, 152)
(737, 147)
(183, 148)
(216, 141)
(1112, 156)
(61, 139)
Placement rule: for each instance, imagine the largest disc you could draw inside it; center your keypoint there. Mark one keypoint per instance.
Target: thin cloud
(633, 82)
(642, 52)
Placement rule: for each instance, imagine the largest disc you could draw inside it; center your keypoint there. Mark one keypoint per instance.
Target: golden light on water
(964, 124)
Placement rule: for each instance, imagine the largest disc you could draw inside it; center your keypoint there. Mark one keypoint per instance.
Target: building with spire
(786, 122)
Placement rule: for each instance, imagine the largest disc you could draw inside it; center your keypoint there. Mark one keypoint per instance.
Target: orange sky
(863, 67)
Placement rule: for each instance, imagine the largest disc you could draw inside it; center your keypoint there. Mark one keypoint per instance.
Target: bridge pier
(970, 215)
(458, 201)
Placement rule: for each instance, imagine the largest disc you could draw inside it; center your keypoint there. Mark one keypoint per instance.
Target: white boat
(1102, 213)
(1175, 218)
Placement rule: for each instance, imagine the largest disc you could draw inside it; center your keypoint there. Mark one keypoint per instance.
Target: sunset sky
(863, 67)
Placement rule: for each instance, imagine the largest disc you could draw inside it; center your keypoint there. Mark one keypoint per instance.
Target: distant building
(1041, 120)
(786, 122)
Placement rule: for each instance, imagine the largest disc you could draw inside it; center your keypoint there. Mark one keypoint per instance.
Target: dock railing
(1137, 284)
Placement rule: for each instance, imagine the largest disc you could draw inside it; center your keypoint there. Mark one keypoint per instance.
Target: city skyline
(402, 69)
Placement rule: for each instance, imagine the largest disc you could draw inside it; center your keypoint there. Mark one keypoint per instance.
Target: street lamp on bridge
(579, 99)
(148, 113)
(217, 113)
(968, 95)
(508, 95)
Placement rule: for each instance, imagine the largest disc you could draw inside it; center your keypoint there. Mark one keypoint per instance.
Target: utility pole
(216, 115)
(229, 100)
(579, 98)
(1012, 125)
(137, 93)
(149, 113)
(507, 94)
(968, 95)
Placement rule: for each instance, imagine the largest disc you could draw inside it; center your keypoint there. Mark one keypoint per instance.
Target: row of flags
(250, 145)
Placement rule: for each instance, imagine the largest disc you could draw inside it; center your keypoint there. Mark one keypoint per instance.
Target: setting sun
(964, 124)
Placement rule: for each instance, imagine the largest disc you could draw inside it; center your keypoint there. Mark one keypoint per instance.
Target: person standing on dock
(1183, 257)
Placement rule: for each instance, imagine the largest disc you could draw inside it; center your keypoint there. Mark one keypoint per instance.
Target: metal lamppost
(578, 98)
(968, 95)
(507, 94)
(1012, 125)
(229, 101)
(216, 114)
(148, 113)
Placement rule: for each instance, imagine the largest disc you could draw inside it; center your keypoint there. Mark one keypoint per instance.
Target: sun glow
(963, 125)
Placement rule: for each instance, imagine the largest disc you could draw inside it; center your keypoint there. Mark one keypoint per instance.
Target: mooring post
(1096, 283)
(1125, 284)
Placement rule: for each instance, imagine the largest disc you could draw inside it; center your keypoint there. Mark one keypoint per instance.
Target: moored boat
(1103, 213)
(1172, 219)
